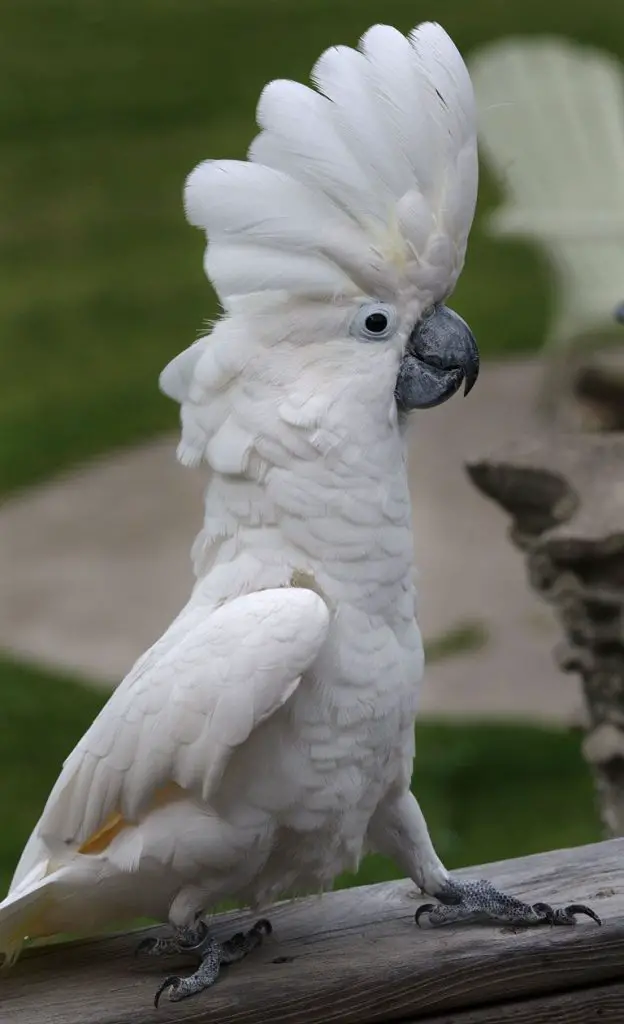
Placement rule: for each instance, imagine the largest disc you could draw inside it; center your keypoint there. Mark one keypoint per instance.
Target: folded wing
(182, 711)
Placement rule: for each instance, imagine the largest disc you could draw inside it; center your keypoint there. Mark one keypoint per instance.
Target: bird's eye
(376, 321)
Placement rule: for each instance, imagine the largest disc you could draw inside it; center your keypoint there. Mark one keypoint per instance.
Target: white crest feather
(367, 185)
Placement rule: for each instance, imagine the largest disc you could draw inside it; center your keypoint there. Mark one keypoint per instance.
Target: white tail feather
(22, 912)
(80, 895)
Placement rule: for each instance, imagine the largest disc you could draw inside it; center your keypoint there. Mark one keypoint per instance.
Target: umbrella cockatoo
(266, 740)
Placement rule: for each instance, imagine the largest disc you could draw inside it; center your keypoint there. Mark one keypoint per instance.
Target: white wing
(177, 717)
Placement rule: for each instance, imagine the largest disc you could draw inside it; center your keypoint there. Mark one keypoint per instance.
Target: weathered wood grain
(352, 957)
(604, 1004)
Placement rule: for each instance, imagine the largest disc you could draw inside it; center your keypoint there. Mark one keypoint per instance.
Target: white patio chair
(552, 131)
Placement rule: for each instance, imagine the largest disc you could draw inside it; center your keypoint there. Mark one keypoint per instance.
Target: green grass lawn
(105, 105)
(488, 791)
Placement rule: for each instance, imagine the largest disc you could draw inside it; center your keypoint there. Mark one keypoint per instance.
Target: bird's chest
(333, 751)
(343, 733)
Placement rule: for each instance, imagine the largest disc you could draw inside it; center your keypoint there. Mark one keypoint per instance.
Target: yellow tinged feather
(104, 835)
(115, 823)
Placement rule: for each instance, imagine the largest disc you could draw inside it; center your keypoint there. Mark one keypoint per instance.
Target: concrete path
(94, 566)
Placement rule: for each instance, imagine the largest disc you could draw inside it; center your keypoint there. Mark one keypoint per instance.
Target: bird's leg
(398, 829)
(211, 954)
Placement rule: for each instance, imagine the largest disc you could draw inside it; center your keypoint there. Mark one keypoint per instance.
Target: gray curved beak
(440, 354)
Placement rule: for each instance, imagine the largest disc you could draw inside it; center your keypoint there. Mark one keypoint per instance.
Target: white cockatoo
(266, 740)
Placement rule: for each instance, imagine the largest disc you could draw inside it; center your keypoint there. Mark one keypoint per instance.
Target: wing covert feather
(180, 713)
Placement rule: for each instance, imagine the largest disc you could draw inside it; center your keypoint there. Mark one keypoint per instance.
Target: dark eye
(376, 321)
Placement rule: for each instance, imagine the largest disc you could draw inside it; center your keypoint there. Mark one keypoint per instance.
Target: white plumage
(367, 185)
(267, 737)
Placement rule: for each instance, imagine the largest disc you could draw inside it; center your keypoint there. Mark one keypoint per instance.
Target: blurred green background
(105, 106)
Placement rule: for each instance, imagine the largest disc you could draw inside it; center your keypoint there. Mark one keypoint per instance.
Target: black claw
(262, 927)
(580, 908)
(425, 909)
(565, 915)
(172, 982)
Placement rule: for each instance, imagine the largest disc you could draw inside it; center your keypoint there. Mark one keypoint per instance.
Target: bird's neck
(335, 516)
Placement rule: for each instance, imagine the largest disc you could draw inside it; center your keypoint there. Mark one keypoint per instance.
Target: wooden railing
(355, 956)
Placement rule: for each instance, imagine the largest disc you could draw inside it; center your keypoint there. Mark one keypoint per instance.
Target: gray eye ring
(374, 321)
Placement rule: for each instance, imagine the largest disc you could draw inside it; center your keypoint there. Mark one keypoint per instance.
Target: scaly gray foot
(212, 955)
(183, 940)
(480, 901)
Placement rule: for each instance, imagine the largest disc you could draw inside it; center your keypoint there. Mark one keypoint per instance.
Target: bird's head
(334, 247)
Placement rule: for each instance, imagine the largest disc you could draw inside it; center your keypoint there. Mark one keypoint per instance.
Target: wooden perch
(356, 957)
(566, 498)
